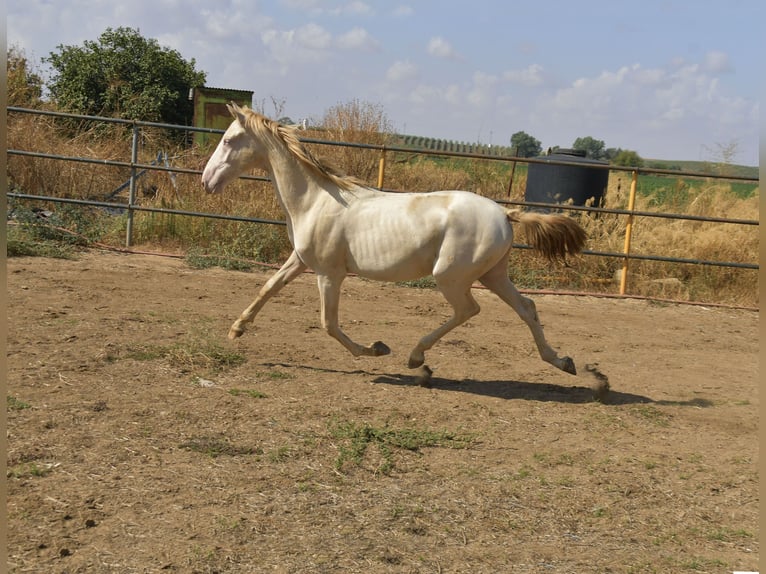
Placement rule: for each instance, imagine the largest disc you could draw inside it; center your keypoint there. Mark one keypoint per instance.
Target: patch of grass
(187, 355)
(252, 393)
(548, 460)
(702, 564)
(210, 355)
(144, 353)
(524, 472)
(652, 414)
(200, 260)
(26, 247)
(14, 404)
(276, 375)
(422, 283)
(725, 534)
(58, 231)
(29, 470)
(280, 454)
(356, 438)
(215, 446)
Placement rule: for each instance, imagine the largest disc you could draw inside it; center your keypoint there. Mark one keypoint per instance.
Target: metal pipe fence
(135, 167)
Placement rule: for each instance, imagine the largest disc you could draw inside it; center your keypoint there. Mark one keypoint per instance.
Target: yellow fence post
(381, 167)
(628, 232)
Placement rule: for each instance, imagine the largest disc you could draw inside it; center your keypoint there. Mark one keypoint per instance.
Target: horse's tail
(555, 236)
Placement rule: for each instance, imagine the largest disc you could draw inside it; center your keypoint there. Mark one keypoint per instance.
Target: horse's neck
(299, 190)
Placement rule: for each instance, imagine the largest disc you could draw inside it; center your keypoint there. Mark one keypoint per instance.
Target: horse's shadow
(511, 389)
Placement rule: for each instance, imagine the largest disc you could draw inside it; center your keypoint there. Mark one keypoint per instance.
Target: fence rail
(135, 166)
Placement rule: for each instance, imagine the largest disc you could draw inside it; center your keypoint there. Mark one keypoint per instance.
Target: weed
(701, 564)
(192, 355)
(217, 446)
(29, 470)
(725, 534)
(652, 414)
(599, 512)
(524, 472)
(196, 352)
(252, 393)
(145, 353)
(357, 437)
(280, 454)
(14, 404)
(197, 259)
(422, 283)
(277, 375)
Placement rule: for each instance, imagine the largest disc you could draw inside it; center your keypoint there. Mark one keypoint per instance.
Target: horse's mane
(288, 136)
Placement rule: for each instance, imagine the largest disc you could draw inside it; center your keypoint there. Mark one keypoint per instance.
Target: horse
(338, 225)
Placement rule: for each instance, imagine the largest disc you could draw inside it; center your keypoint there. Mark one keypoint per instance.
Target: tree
(126, 75)
(593, 148)
(627, 158)
(525, 145)
(724, 155)
(356, 121)
(25, 87)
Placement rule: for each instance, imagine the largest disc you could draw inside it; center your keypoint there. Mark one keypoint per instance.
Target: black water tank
(550, 182)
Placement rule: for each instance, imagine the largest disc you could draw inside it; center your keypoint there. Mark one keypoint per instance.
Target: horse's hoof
(424, 377)
(379, 348)
(235, 332)
(568, 366)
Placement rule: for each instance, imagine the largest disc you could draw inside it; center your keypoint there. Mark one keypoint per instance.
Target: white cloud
(313, 37)
(357, 8)
(424, 94)
(306, 44)
(401, 71)
(718, 63)
(440, 48)
(356, 39)
(484, 90)
(530, 76)
(316, 7)
(682, 103)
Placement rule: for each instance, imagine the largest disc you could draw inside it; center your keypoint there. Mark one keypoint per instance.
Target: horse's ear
(237, 112)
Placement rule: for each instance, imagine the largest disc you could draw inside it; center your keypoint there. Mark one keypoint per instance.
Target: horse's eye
(226, 141)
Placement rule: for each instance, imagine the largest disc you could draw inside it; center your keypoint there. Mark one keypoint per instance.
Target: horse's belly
(386, 259)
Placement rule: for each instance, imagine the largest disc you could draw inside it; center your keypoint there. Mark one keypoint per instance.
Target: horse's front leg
(329, 297)
(289, 271)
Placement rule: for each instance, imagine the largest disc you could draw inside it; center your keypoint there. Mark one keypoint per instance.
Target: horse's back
(393, 235)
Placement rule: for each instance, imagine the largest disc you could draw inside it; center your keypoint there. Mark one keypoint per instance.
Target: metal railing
(137, 167)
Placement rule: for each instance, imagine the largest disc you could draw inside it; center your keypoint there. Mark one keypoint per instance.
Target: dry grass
(367, 124)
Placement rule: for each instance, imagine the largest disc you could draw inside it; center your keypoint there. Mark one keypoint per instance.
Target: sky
(671, 80)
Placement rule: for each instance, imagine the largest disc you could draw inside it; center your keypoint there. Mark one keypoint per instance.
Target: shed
(210, 110)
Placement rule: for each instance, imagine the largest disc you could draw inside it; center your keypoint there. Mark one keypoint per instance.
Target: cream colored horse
(338, 225)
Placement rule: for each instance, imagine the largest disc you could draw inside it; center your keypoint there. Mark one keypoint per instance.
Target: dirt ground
(142, 440)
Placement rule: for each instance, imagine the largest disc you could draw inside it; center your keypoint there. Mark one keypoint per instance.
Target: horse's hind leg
(329, 297)
(497, 281)
(289, 271)
(464, 307)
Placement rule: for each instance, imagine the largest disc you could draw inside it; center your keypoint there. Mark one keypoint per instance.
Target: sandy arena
(141, 440)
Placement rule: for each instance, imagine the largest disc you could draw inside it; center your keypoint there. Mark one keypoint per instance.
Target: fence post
(628, 232)
(515, 152)
(381, 167)
(132, 193)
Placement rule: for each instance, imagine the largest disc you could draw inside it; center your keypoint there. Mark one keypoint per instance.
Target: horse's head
(236, 153)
